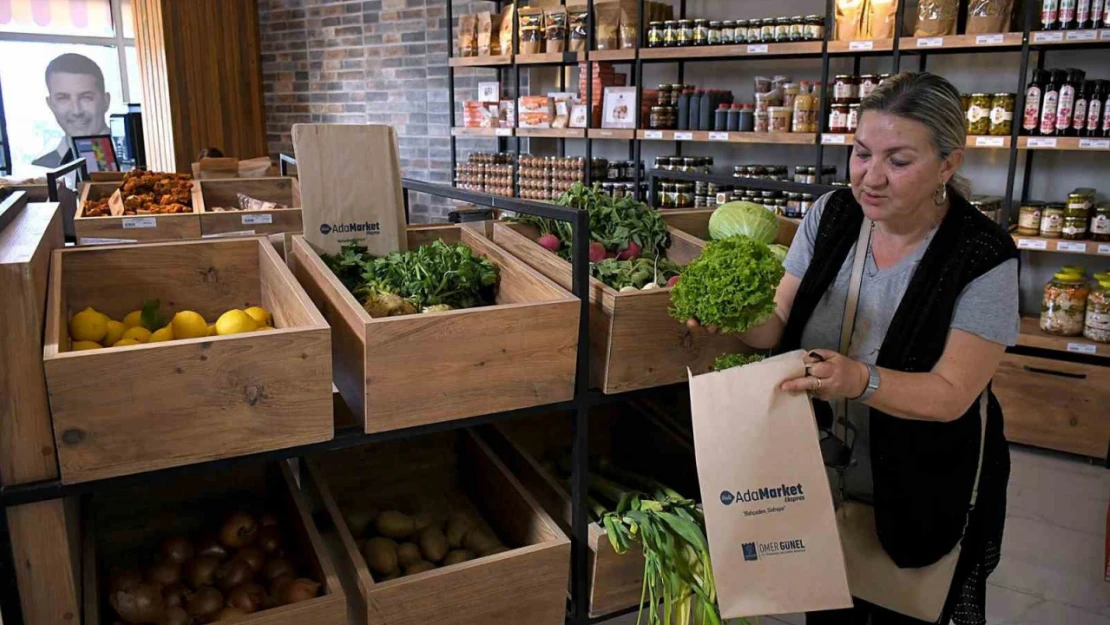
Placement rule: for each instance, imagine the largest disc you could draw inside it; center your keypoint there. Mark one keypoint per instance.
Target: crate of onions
(436, 529)
(235, 546)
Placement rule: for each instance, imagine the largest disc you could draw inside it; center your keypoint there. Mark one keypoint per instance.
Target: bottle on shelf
(720, 118)
(683, 122)
(1105, 14)
(1083, 14)
(1097, 8)
(1067, 14)
(705, 110)
(1049, 14)
(1065, 107)
(695, 110)
(734, 117)
(1050, 103)
(1034, 94)
(1096, 96)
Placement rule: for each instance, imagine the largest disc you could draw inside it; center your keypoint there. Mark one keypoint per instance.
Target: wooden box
(130, 228)
(133, 409)
(631, 440)
(401, 372)
(695, 222)
(225, 193)
(1055, 404)
(125, 528)
(634, 341)
(437, 475)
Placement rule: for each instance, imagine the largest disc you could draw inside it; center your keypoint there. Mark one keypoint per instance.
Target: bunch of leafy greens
(728, 361)
(430, 278)
(743, 218)
(731, 285)
(637, 273)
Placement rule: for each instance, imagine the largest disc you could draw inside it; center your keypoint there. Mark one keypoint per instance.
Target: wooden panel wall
(202, 80)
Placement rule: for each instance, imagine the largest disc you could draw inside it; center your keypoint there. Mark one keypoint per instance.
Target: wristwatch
(873, 381)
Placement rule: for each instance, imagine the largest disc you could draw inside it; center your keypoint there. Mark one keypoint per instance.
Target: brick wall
(368, 61)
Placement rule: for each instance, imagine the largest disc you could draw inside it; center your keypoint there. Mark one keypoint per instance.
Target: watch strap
(873, 381)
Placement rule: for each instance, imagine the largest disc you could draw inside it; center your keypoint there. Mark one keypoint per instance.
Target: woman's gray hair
(932, 101)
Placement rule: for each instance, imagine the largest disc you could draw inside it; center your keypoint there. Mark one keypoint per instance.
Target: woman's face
(895, 169)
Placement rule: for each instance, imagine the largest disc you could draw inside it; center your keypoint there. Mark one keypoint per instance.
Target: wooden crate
(695, 222)
(188, 400)
(402, 372)
(130, 228)
(125, 528)
(225, 192)
(627, 437)
(1055, 404)
(436, 475)
(634, 341)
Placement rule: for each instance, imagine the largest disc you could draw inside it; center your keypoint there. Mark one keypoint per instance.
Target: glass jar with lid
(714, 33)
(728, 32)
(867, 84)
(979, 114)
(684, 196)
(655, 35)
(740, 31)
(767, 30)
(1100, 223)
(1029, 218)
(701, 32)
(845, 89)
(670, 33)
(685, 33)
(815, 28)
(1096, 325)
(1076, 216)
(1052, 221)
(838, 118)
(782, 29)
(667, 195)
(797, 28)
(1064, 307)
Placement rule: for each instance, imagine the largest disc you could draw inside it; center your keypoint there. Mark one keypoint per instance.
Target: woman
(937, 306)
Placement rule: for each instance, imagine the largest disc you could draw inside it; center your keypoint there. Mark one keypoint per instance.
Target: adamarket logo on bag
(366, 226)
(788, 494)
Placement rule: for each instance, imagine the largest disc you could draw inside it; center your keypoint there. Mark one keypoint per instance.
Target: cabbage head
(744, 218)
(780, 251)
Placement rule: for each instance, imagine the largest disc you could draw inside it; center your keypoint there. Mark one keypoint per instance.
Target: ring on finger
(817, 385)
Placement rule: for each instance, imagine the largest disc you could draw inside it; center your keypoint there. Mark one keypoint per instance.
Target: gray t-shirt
(988, 307)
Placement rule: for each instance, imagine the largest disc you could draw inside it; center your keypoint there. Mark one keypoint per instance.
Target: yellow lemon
(88, 325)
(139, 334)
(260, 315)
(235, 322)
(126, 342)
(189, 325)
(211, 329)
(83, 345)
(264, 328)
(115, 332)
(161, 334)
(133, 319)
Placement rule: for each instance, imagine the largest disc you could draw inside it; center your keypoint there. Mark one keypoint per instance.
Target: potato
(385, 578)
(456, 530)
(458, 556)
(419, 567)
(381, 555)
(433, 544)
(495, 550)
(478, 541)
(408, 553)
(422, 521)
(393, 524)
(358, 519)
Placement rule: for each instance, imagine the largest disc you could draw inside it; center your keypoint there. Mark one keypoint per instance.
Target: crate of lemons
(92, 329)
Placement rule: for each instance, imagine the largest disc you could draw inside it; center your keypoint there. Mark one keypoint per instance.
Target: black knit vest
(923, 471)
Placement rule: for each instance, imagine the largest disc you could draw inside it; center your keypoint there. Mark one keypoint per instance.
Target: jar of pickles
(701, 32)
(1096, 325)
(1064, 307)
(655, 35)
(685, 33)
(1002, 114)
(978, 114)
(667, 195)
(670, 33)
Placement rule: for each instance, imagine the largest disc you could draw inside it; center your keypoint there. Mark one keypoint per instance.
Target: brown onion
(175, 594)
(254, 556)
(247, 597)
(205, 602)
(295, 591)
(202, 571)
(123, 579)
(277, 567)
(232, 573)
(267, 520)
(269, 539)
(239, 530)
(175, 616)
(164, 573)
(140, 604)
(228, 615)
(209, 546)
(177, 549)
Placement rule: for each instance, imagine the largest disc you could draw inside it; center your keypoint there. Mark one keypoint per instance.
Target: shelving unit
(1032, 336)
(1042, 244)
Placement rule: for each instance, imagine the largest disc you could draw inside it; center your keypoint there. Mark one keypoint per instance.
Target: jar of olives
(1002, 114)
(978, 114)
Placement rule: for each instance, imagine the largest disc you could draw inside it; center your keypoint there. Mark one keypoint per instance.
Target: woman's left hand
(829, 376)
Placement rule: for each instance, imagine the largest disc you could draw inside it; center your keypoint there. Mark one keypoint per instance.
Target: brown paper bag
(485, 33)
(505, 34)
(883, 19)
(216, 168)
(768, 508)
(578, 13)
(350, 183)
(989, 16)
(936, 18)
(850, 22)
(468, 35)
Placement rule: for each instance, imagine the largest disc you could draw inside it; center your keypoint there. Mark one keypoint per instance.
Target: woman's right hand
(694, 325)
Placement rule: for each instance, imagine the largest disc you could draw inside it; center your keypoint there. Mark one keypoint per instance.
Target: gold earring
(940, 196)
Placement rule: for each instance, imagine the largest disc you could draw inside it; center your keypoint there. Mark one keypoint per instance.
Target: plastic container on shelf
(1064, 306)
(1097, 320)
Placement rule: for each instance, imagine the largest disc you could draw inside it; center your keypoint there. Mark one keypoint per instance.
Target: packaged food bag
(769, 513)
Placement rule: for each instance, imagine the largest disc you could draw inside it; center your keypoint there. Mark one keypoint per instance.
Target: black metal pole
(580, 530)
(451, 89)
(899, 24)
(591, 45)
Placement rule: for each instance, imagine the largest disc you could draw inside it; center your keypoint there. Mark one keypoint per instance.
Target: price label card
(605, 133)
(986, 40)
(1082, 35)
(653, 134)
(139, 222)
(251, 220)
(861, 45)
(1042, 142)
(834, 139)
(718, 136)
(1094, 144)
(1083, 348)
(1104, 35)
(1048, 37)
(1072, 246)
(504, 132)
(930, 42)
(760, 48)
(1104, 249)
(683, 136)
(103, 241)
(228, 235)
(990, 142)
(1032, 244)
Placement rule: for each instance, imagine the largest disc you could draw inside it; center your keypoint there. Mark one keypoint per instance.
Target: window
(35, 121)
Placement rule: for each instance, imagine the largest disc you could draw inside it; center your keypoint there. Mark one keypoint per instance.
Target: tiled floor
(1052, 569)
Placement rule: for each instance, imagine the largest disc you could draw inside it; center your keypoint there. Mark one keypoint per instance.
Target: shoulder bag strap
(851, 305)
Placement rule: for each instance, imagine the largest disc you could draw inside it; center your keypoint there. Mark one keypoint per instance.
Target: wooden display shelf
(1032, 336)
(612, 56)
(836, 138)
(1095, 144)
(549, 58)
(131, 228)
(225, 193)
(481, 61)
(792, 138)
(861, 47)
(1068, 37)
(1042, 244)
(462, 131)
(960, 42)
(611, 133)
(797, 48)
(973, 142)
(552, 133)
